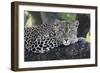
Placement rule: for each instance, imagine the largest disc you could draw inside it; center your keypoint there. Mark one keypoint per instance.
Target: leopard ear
(56, 21)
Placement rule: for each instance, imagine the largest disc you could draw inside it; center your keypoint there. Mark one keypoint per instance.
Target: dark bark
(79, 50)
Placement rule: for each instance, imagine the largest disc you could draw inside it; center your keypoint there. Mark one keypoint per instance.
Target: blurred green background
(30, 20)
(68, 16)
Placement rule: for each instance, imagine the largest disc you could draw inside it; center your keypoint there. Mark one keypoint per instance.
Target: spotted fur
(42, 38)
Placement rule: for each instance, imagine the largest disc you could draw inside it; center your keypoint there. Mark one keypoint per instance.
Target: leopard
(45, 37)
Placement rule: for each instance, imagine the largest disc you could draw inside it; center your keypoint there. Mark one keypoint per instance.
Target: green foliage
(68, 16)
(88, 37)
(28, 19)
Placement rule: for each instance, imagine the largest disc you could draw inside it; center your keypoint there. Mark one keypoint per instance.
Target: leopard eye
(76, 26)
(57, 24)
(77, 23)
